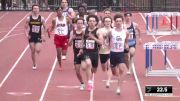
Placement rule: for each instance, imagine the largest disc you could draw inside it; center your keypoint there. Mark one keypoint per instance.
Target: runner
(118, 42)
(35, 34)
(134, 31)
(90, 49)
(60, 28)
(77, 39)
(104, 51)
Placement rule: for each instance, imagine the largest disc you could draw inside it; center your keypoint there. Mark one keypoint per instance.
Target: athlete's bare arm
(138, 32)
(71, 38)
(100, 36)
(69, 22)
(44, 31)
(51, 28)
(91, 36)
(126, 40)
(26, 27)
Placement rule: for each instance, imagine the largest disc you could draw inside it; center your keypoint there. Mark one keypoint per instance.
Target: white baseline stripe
(161, 50)
(48, 80)
(17, 61)
(3, 15)
(14, 27)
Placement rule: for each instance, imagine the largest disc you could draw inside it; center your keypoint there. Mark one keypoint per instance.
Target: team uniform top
(61, 27)
(104, 49)
(117, 40)
(132, 32)
(66, 11)
(77, 42)
(35, 25)
(90, 44)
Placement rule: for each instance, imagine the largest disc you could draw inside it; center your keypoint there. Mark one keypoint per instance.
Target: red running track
(18, 82)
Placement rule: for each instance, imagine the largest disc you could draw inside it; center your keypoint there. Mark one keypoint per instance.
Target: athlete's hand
(140, 41)
(43, 38)
(80, 52)
(91, 36)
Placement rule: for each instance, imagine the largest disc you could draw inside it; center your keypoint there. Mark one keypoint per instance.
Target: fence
(122, 5)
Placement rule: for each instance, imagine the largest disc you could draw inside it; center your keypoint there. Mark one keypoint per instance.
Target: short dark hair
(118, 16)
(34, 5)
(81, 6)
(79, 19)
(92, 16)
(127, 13)
(106, 18)
(107, 9)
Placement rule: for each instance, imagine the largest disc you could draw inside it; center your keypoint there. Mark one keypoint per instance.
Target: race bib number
(130, 33)
(90, 44)
(78, 43)
(60, 31)
(35, 29)
(117, 46)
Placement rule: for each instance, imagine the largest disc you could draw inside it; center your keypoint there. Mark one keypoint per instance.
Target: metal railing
(117, 5)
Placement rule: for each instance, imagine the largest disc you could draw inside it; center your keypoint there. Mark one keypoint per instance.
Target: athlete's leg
(131, 55)
(33, 56)
(86, 65)
(59, 51)
(38, 47)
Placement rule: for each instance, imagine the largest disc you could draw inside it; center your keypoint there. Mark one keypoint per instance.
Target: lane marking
(68, 87)
(19, 93)
(17, 61)
(13, 35)
(3, 15)
(92, 91)
(14, 27)
(137, 82)
(13, 67)
(168, 61)
(48, 80)
(4, 31)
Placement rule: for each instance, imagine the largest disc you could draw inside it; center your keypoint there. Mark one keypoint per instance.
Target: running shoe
(34, 67)
(90, 85)
(107, 84)
(82, 87)
(118, 91)
(63, 57)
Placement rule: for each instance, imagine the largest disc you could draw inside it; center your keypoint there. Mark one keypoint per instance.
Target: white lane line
(17, 61)
(48, 80)
(137, 82)
(92, 91)
(3, 15)
(4, 31)
(168, 61)
(10, 71)
(13, 35)
(14, 27)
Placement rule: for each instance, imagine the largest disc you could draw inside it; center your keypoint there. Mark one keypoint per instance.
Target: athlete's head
(59, 12)
(107, 12)
(81, 9)
(79, 22)
(35, 9)
(118, 19)
(127, 16)
(107, 21)
(64, 4)
(92, 20)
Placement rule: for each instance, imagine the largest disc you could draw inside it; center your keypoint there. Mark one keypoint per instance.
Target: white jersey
(117, 41)
(61, 27)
